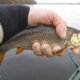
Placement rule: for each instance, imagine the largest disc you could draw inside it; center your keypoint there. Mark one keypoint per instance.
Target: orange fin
(1, 57)
(19, 50)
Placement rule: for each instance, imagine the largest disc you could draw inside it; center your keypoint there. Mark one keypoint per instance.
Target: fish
(24, 40)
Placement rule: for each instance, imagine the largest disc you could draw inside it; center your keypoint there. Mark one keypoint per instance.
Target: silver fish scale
(49, 37)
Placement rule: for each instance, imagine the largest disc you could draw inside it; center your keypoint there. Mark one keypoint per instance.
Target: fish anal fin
(19, 50)
(1, 57)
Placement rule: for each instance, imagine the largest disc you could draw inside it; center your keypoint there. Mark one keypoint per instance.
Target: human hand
(48, 17)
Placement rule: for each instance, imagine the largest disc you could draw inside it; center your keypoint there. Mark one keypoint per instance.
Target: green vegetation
(17, 2)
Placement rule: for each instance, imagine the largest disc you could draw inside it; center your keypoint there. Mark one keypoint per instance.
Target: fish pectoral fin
(19, 50)
(2, 55)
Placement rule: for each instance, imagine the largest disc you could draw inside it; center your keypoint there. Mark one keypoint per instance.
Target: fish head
(74, 40)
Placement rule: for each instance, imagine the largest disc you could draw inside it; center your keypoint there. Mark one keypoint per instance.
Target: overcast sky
(58, 1)
(70, 13)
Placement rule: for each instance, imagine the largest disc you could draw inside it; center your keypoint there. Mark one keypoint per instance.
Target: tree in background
(17, 2)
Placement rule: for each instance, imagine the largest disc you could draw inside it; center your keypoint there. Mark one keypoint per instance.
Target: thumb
(61, 30)
(59, 24)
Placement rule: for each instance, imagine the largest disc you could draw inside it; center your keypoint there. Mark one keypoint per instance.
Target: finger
(59, 23)
(61, 26)
(76, 50)
(46, 49)
(37, 48)
(61, 30)
(56, 48)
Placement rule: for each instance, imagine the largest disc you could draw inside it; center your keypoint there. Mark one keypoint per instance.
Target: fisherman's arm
(13, 19)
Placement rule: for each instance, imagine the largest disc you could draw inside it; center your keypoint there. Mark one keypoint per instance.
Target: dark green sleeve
(13, 19)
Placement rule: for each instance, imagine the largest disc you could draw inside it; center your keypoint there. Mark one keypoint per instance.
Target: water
(31, 67)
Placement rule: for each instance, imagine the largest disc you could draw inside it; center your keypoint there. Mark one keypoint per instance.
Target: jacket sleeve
(13, 19)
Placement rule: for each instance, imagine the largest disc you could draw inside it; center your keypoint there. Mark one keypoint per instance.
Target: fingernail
(61, 30)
